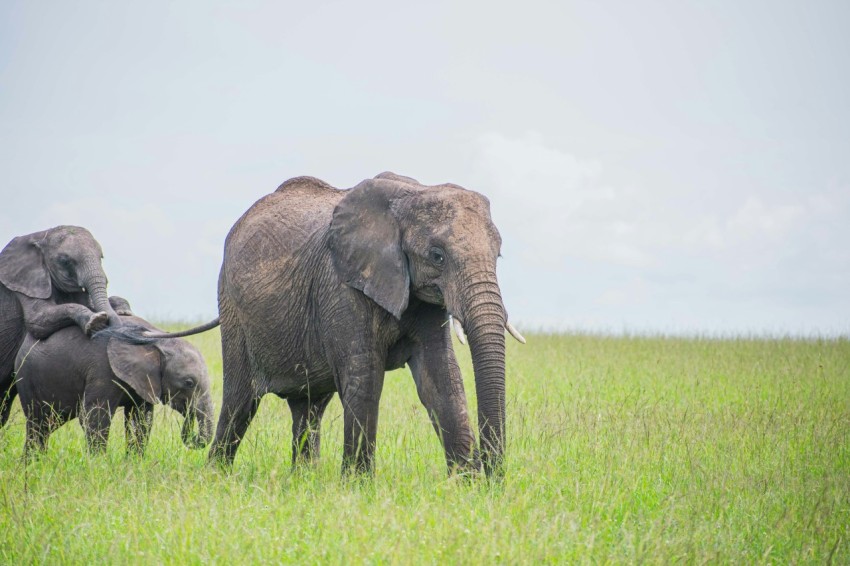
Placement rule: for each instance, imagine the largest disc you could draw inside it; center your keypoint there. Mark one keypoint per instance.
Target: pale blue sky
(652, 166)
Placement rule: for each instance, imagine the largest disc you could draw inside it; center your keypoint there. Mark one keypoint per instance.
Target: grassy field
(620, 450)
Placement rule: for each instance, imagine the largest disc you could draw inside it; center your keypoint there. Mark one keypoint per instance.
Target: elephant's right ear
(365, 240)
(22, 267)
(140, 367)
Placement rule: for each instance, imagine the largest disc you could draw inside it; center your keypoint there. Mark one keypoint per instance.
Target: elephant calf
(68, 375)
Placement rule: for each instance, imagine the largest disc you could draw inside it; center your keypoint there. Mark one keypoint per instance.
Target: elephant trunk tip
(187, 433)
(199, 412)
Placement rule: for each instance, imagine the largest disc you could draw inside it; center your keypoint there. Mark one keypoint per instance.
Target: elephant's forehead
(65, 232)
(457, 215)
(450, 202)
(474, 232)
(72, 237)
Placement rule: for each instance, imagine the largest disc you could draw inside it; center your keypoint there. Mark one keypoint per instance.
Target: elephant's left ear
(22, 267)
(365, 240)
(139, 366)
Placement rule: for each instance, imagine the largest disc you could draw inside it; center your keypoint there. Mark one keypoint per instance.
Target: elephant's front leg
(360, 383)
(42, 318)
(306, 422)
(138, 419)
(440, 387)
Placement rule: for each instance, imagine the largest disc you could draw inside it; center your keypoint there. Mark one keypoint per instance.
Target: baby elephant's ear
(140, 367)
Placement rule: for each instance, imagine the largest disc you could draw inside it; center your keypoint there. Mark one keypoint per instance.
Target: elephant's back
(54, 369)
(277, 226)
(68, 348)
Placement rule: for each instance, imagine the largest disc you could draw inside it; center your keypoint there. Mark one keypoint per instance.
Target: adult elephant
(323, 290)
(49, 280)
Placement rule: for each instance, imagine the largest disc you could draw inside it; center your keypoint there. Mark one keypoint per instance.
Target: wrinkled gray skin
(68, 375)
(323, 290)
(48, 280)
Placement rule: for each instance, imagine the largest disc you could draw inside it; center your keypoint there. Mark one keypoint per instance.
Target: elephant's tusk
(461, 335)
(514, 332)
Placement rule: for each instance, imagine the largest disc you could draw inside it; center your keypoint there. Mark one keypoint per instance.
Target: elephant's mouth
(66, 283)
(179, 405)
(430, 294)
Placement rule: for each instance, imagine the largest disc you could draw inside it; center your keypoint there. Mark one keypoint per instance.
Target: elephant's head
(67, 258)
(172, 371)
(391, 236)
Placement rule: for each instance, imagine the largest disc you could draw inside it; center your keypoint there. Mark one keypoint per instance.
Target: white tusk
(514, 332)
(459, 331)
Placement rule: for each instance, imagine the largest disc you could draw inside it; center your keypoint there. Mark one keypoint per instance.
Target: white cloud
(754, 223)
(556, 204)
(645, 253)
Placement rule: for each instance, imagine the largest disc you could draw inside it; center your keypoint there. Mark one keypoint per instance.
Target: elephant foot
(97, 321)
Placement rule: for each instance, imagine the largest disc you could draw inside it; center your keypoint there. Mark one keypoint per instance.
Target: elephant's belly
(46, 400)
(301, 382)
(288, 369)
(285, 356)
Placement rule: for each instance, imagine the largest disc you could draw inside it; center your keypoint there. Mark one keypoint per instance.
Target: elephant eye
(189, 383)
(437, 255)
(64, 260)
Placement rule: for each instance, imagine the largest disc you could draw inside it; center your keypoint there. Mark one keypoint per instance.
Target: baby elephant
(68, 375)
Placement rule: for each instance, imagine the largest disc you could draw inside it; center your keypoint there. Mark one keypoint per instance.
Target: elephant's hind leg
(8, 392)
(240, 400)
(306, 422)
(237, 411)
(42, 420)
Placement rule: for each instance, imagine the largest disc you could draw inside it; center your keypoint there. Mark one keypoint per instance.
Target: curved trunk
(95, 284)
(484, 321)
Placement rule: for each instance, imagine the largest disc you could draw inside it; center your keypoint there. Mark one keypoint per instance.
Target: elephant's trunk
(200, 411)
(204, 414)
(484, 320)
(187, 431)
(94, 280)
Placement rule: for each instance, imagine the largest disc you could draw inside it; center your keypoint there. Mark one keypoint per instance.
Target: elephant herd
(321, 291)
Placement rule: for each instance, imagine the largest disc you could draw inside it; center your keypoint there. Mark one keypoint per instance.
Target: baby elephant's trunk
(200, 411)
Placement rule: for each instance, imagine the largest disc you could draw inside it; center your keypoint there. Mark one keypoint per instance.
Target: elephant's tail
(197, 330)
(135, 334)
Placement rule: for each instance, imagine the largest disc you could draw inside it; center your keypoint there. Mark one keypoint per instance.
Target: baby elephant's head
(171, 371)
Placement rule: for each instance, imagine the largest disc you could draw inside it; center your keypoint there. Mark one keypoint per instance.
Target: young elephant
(68, 375)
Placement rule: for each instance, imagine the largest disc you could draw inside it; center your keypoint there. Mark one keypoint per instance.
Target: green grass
(620, 450)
